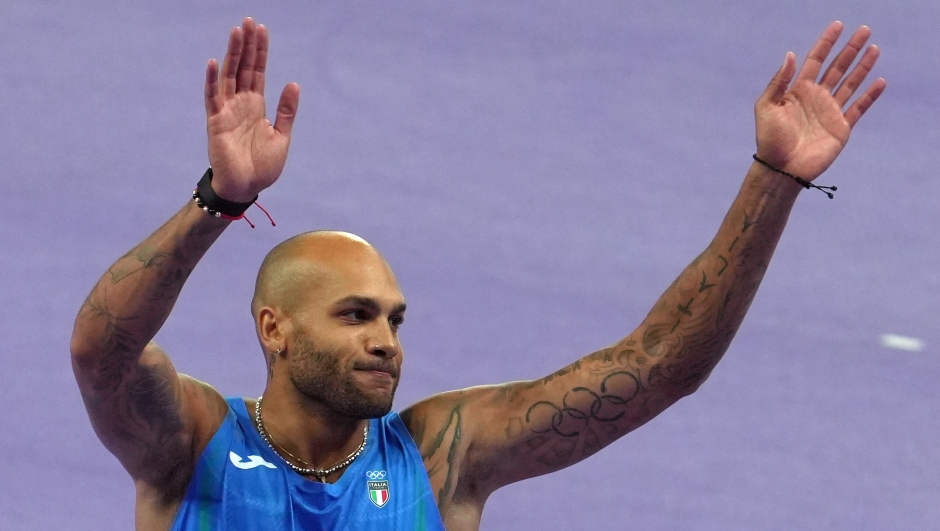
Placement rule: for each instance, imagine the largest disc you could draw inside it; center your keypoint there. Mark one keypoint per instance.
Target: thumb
(780, 82)
(287, 108)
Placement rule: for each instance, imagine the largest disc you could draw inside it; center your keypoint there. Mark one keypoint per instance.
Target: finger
(287, 108)
(817, 55)
(230, 64)
(780, 82)
(213, 104)
(865, 101)
(246, 66)
(843, 61)
(261, 60)
(857, 75)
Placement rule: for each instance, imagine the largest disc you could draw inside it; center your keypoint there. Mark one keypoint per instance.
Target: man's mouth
(380, 371)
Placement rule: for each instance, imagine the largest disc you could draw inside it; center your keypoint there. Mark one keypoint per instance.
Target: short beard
(316, 374)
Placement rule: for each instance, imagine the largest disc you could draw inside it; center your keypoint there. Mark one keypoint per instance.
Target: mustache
(388, 367)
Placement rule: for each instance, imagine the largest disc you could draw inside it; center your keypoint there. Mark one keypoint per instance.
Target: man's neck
(306, 432)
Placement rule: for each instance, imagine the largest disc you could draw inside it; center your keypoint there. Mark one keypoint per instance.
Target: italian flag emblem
(378, 492)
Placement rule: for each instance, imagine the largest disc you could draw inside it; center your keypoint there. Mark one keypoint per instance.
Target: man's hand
(246, 152)
(802, 128)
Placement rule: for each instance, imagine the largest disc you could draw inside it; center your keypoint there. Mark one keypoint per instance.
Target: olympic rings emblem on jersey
(375, 474)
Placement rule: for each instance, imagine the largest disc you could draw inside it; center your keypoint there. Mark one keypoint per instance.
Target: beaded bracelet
(206, 199)
(219, 207)
(801, 181)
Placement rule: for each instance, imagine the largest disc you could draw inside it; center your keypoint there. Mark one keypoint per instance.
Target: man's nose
(384, 343)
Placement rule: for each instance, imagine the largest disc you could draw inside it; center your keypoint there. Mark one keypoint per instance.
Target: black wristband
(799, 180)
(208, 200)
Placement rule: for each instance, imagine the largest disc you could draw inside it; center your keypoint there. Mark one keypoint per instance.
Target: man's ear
(273, 329)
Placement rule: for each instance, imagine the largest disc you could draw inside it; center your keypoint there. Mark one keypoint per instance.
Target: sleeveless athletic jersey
(240, 484)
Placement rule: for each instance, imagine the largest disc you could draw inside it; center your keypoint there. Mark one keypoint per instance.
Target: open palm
(246, 151)
(802, 128)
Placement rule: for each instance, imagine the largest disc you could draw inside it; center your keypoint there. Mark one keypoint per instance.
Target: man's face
(345, 352)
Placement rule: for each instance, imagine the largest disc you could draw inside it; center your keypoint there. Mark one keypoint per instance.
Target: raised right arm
(148, 416)
(132, 393)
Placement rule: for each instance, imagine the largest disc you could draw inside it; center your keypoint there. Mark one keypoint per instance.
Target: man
(320, 449)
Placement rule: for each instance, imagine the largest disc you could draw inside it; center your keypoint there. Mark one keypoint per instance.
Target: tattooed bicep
(138, 415)
(438, 426)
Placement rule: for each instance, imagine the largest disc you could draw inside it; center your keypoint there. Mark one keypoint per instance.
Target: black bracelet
(801, 181)
(206, 199)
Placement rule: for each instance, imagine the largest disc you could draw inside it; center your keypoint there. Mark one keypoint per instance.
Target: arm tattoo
(146, 418)
(618, 389)
(120, 350)
(128, 305)
(703, 285)
(724, 266)
(746, 224)
(441, 453)
(145, 258)
(134, 404)
(581, 415)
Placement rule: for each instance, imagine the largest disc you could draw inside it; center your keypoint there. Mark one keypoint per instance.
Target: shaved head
(327, 309)
(298, 266)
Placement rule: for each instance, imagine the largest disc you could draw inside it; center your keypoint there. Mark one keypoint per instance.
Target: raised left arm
(477, 440)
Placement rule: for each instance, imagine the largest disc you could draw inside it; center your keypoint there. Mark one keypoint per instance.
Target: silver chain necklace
(319, 473)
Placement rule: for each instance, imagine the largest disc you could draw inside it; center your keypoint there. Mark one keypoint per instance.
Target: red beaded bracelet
(210, 202)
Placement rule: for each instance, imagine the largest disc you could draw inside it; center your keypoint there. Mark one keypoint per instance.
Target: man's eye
(355, 315)
(396, 321)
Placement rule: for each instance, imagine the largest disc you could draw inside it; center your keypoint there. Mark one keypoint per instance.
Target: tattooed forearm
(724, 265)
(704, 285)
(695, 319)
(134, 297)
(575, 411)
(746, 223)
(134, 261)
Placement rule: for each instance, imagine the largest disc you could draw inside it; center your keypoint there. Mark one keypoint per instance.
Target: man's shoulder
(449, 406)
(206, 408)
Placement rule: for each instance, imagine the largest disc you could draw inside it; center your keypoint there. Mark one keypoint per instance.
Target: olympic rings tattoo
(597, 403)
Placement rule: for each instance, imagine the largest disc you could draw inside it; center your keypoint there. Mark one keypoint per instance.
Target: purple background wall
(536, 173)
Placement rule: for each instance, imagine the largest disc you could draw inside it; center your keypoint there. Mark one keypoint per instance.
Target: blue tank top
(240, 484)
